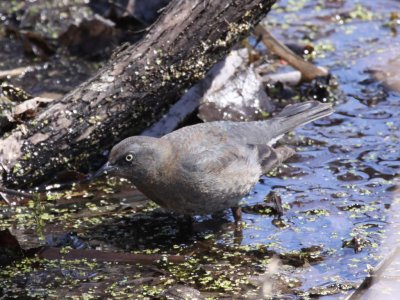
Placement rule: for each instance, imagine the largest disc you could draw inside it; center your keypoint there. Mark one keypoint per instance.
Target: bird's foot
(237, 214)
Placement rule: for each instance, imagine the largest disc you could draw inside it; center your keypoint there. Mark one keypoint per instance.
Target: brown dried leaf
(27, 109)
(91, 38)
(33, 43)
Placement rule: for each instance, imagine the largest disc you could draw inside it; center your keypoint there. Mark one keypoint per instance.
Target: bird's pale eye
(129, 157)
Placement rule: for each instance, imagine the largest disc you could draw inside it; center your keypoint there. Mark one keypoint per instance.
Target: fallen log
(133, 90)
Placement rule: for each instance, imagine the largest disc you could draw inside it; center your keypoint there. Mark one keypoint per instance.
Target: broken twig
(308, 71)
(16, 193)
(13, 73)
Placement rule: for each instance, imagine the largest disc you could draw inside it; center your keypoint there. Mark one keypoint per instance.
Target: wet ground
(338, 193)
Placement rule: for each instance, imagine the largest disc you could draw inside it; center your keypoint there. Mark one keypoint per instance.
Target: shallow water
(345, 182)
(337, 189)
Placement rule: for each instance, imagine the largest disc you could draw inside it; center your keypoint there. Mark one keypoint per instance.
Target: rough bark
(135, 88)
(231, 90)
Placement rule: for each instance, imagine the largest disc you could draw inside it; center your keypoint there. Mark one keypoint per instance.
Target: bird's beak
(105, 169)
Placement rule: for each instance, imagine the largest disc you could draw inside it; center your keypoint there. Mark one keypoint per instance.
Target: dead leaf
(10, 150)
(241, 98)
(33, 43)
(91, 38)
(27, 109)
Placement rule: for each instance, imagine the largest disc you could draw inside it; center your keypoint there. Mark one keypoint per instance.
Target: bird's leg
(237, 214)
(238, 234)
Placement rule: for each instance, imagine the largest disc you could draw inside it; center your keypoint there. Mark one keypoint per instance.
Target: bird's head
(137, 158)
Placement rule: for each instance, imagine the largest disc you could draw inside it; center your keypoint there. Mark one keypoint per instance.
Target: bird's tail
(298, 114)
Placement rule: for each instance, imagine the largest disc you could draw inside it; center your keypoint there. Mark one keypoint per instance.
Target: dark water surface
(338, 192)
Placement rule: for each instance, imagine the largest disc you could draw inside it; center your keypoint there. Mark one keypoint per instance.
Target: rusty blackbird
(208, 167)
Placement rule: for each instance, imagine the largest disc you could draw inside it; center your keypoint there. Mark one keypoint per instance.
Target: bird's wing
(215, 160)
(270, 158)
(257, 132)
(219, 158)
(197, 138)
(220, 171)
